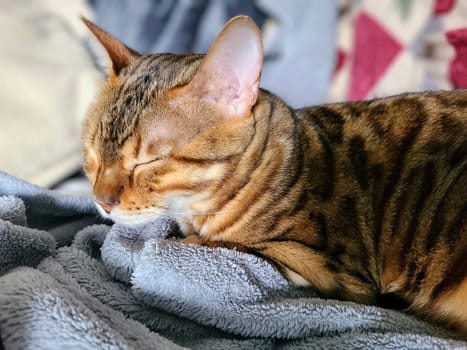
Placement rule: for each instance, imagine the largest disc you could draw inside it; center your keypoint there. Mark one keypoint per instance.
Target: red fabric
(443, 6)
(375, 49)
(341, 57)
(458, 67)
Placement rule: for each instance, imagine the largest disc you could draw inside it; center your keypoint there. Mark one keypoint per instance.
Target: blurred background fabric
(47, 81)
(298, 62)
(315, 51)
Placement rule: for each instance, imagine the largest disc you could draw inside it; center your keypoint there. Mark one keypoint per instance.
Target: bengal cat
(363, 201)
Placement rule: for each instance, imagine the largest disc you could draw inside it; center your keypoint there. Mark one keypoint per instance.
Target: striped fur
(364, 201)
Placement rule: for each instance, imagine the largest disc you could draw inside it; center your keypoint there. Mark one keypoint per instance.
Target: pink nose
(106, 204)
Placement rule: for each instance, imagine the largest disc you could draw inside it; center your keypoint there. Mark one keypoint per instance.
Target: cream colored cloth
(47, 82)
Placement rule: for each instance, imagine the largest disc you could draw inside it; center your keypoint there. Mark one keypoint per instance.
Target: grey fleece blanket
(68, 280)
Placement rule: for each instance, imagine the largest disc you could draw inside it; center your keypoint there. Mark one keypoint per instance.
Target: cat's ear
(120, 55)
(230, 73)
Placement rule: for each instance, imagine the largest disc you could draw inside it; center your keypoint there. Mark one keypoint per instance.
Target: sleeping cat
(364, 201)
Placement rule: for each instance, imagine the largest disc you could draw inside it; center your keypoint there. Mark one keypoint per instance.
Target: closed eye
(148, 162)
(138, 165)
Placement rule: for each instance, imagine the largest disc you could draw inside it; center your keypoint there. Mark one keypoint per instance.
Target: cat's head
(165, 128)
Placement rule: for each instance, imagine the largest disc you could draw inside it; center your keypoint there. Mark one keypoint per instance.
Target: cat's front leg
(196, 239)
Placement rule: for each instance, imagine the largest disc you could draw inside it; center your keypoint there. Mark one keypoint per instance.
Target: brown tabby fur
(365, 201)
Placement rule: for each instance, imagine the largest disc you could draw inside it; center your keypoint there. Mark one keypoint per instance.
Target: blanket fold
(68, 279)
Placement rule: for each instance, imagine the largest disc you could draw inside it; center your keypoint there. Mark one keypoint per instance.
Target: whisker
(185, 213)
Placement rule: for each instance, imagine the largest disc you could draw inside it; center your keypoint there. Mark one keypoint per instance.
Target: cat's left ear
(120, 55)
(229, 76)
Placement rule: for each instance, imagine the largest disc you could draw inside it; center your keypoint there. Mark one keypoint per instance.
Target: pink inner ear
(246, 57)
(229, 76)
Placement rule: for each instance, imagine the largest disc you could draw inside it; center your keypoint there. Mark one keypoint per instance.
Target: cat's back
(439, 113)
(392, 136)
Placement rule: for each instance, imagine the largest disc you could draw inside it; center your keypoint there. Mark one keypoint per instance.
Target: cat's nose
(107, 204)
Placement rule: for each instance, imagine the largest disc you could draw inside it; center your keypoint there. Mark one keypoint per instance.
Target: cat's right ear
(119, 54)
(229, 76)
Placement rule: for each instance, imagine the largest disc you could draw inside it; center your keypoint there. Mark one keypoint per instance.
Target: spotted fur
(364, 201)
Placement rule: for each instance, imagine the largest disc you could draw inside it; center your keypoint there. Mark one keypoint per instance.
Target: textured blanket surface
(69, 280)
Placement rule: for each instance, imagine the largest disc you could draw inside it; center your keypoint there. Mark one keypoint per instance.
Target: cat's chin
(128, 219)
(133, 223)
